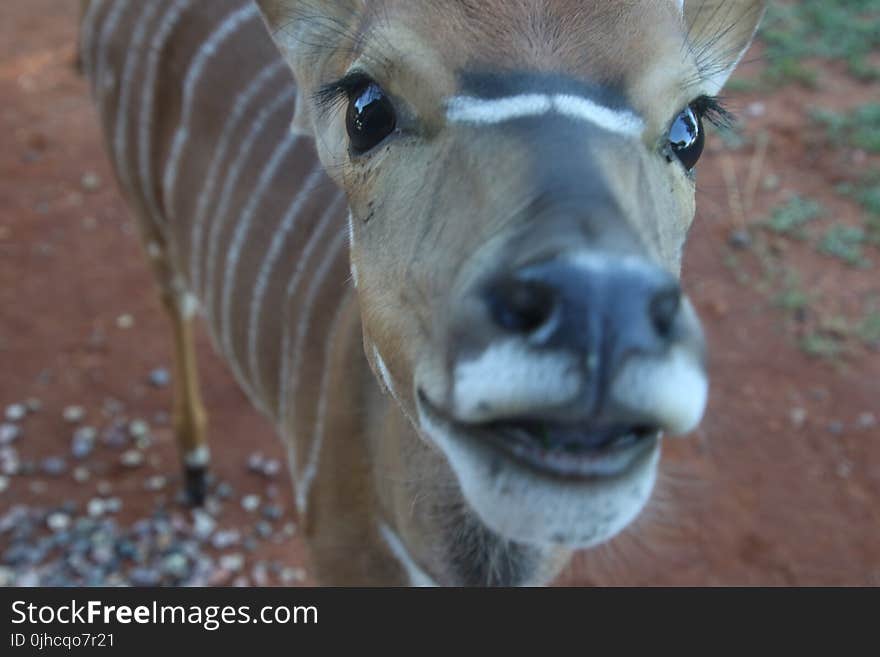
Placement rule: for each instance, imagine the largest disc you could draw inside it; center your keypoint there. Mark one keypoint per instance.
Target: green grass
(866, 192)
(822, 345)
(837, 30)
(792, 217)
(869, 329)
(846, 243)
(792, 297)
(859, 128)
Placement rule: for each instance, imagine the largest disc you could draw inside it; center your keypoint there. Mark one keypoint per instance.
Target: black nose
(597, 307)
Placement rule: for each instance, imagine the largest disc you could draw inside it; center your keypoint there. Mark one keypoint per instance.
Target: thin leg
(190, 419)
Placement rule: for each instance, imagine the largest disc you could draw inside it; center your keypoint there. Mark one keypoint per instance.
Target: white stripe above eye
(490, 111)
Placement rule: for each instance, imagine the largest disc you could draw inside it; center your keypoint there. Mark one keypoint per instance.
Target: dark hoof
(195, 485)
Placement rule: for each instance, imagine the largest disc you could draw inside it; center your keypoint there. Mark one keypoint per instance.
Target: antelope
(438, 243)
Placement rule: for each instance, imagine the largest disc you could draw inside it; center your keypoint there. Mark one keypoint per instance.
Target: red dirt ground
(780, 486)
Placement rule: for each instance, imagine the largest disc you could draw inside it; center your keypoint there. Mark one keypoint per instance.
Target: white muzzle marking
(508, 378)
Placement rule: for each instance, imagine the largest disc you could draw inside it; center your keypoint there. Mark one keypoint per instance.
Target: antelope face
(521, 183)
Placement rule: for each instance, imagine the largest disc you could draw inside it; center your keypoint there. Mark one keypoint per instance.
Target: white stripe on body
(303, 483)
(239, 238)
(103, 79)
(315, 240)
(304, 479)
(234, 21)
(232, 178)
(268, 267)
(145, 136)
(133, 57)
(85, 41)
(492, 111)
(240, 110)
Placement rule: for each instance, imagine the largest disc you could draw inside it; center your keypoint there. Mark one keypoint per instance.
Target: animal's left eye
(687, 138)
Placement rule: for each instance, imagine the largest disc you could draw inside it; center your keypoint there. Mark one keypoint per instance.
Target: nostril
(521, 306)
(664, 310)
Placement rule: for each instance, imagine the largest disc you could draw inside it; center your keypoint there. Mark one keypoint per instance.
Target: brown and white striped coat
(319, 272)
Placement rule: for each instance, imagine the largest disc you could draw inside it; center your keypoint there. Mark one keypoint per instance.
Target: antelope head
(520, 175)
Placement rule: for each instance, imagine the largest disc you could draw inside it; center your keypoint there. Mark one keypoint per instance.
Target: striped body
(232, 204)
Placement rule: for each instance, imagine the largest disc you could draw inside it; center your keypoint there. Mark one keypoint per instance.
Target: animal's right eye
(370, 117)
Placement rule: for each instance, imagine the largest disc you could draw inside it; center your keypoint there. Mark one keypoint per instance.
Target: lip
(577, 451)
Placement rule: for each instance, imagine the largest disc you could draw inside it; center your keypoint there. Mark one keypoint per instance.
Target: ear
(312, 36)
(719, 33)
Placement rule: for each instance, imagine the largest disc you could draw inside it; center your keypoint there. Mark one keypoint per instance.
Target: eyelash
(714, 110)
(332, 96)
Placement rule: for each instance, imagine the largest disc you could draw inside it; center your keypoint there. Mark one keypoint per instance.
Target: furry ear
(719, 33)
(310, 34)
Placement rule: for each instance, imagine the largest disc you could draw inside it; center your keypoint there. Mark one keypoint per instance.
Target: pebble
(73, 414)
(138, 428)
(224, 491)
(90, 181)
(83, 442)
(33, 405)
(271, 468)
(203, 525)
(250, 503)
(291, 576)
(125, 322)
(133, 458)
(740, 239)
(144, 577)
(155, 483)
(104, 488)
(9, 433)
(58, 522)
(836, 427)
(16, 412)
(273, 512)
(160, 377)
(4, 483)
(28, 579)
(116, 436)
(225, 539)
(867, 421)
(264, 529)
(232, 562)
(255, 462)
(96, 507)
(113, 505)
(176, 564)
(798, 417)
(9, 461)
(7, 577)
(81, 474)
(260, 574)
(54, 466)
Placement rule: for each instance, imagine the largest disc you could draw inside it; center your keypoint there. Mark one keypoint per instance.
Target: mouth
(580, 451)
